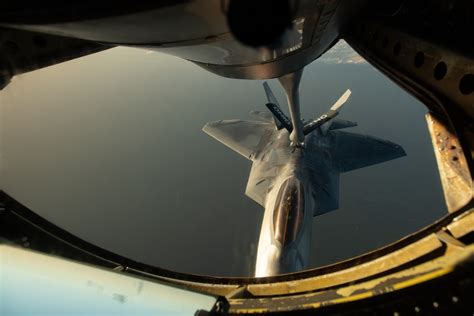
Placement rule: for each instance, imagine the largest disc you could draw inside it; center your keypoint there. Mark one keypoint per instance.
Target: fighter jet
(295, 175)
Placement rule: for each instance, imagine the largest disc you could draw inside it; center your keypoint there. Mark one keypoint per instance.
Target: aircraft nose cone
(287, 262)
(278, 261)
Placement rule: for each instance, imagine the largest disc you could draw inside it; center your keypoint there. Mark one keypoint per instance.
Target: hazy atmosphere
(110, 148)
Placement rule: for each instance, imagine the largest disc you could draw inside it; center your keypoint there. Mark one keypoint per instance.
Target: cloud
(341, 53)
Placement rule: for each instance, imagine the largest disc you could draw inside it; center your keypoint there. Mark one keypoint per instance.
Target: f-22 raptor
(295, 174)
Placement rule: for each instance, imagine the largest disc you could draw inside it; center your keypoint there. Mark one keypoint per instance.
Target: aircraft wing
(353, 151)
(244, 137)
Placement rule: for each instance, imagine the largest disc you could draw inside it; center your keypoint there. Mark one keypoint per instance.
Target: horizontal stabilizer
(336, 124)
(281, 120)
(262, 115)
(340, 124)
(243, 137)
(355, 151)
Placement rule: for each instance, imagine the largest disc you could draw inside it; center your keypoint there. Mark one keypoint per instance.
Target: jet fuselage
(294, 184)
(285, 236)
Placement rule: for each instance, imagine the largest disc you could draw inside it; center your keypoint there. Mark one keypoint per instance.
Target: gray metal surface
(198, 31)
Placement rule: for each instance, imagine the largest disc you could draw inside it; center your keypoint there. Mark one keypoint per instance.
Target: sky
(109, 147)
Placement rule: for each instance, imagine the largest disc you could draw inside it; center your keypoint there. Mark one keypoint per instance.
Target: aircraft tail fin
(280, 119)
(270, 96)
(325, 118)
(317, 122)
